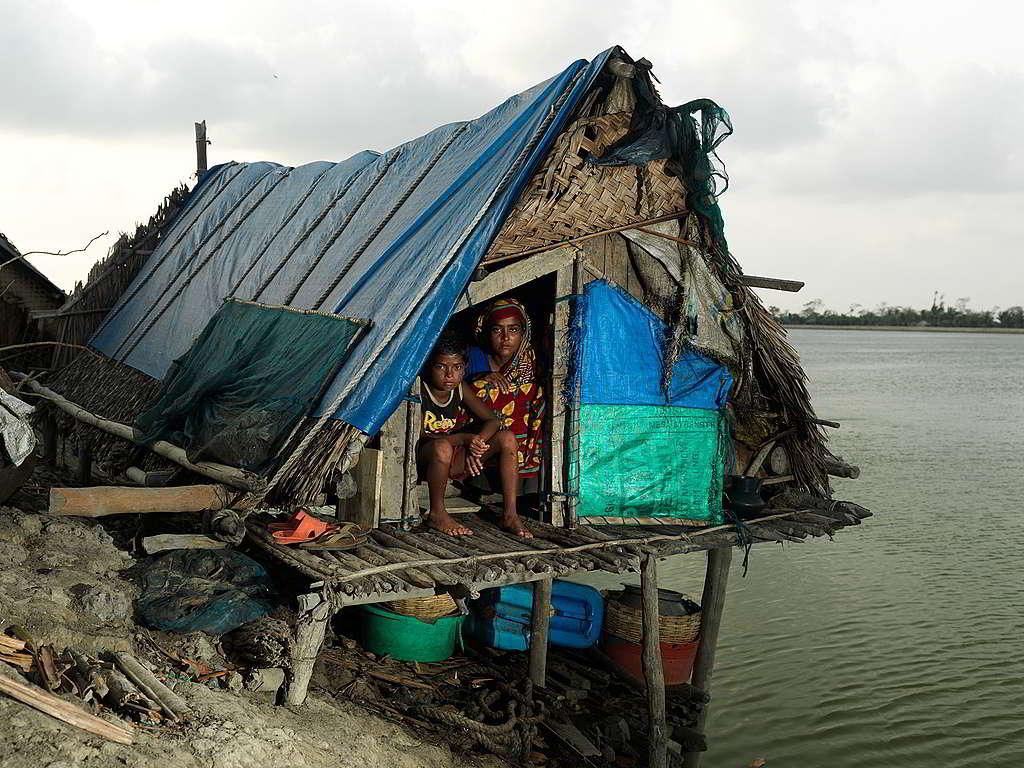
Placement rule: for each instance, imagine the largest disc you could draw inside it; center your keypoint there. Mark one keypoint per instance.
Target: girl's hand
(477, 447)
(474, 465)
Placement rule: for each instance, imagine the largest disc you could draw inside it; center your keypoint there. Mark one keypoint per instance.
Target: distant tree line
(958, 315)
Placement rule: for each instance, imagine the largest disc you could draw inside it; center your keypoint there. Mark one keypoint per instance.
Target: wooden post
(712, 606)
(539, 622)
(410, 502)
(314, 613)
(201, 143)
(83, 469)
(559, 370)
(654, 676)
(573, 422)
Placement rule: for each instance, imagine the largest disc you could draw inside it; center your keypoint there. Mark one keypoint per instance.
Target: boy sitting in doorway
(445, 451)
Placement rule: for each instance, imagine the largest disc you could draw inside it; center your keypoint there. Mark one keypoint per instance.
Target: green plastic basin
(407, 639)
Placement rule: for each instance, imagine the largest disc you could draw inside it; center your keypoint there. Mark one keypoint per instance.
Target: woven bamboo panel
(568, 197)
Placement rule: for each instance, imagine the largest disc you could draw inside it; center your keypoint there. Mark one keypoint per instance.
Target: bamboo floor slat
(395, 564)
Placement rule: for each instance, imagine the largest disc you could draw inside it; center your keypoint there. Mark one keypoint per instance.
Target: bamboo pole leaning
(232, 476)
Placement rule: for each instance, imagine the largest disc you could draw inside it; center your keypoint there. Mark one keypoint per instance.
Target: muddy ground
(64, 582)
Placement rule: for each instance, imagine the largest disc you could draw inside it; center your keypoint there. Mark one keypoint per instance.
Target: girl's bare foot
(445, 523)
(510, 522)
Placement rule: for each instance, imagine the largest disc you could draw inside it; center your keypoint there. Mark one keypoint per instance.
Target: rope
(167, 252)
(287, 220)
(344, 225)
(356, 379)
(213, 251)
(384, 222)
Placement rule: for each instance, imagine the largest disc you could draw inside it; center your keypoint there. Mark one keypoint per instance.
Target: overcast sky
(876, 154)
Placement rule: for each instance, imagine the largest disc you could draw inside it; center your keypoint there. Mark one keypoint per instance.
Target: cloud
(869, 135)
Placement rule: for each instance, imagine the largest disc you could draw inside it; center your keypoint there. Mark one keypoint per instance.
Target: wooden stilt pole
(712, 606)
(50, 438)
(83, 469)
(410, 502)
(201, 143)
(539, 623)
(654, 675)
(314, 613)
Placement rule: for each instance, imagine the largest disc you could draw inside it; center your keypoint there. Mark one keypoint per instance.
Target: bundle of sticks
(118, 683)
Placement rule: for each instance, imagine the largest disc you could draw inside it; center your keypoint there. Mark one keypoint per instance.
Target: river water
(901, 643)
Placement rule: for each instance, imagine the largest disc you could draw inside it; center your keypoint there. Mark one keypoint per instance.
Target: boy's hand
(503, 384)
(477, 447)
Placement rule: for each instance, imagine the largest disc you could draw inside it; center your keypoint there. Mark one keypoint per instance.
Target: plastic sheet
(248, 379)
(202, 590)
(622, 347)
(393, 238)
(651, 461)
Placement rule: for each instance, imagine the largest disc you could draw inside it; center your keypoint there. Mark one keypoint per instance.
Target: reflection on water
(902, 642)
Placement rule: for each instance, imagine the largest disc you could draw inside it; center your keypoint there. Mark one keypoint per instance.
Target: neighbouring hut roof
(23, 284)
(394, 238)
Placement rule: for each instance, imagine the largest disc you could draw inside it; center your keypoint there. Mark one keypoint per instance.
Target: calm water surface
(901, 643)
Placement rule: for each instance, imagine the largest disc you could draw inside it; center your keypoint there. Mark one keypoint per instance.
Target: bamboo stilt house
(584, 194)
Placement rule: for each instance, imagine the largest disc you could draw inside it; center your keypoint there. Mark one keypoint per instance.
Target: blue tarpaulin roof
(392, 238)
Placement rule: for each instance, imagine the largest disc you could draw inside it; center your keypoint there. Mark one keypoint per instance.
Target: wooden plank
(165, 541)
(363, 509)
(410, 505)
(654, 677)
(540, 619)
(514, 275)
(392, 448)
(124, 500)
(773, 283)
(712, 606)
(616, 262)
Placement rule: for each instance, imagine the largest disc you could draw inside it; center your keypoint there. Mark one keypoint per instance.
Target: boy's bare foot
(445, 523)
(510, 522)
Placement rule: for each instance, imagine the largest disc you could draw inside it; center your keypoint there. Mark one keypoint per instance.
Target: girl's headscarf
(522, 367)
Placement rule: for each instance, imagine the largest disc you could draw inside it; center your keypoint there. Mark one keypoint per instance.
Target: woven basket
(627, 623)
(423, 607)
(568, 197)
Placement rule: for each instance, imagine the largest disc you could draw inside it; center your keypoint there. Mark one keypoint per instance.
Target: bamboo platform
(397, 564)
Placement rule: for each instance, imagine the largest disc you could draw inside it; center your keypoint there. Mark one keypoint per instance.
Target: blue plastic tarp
(390, 238)
(622, 357)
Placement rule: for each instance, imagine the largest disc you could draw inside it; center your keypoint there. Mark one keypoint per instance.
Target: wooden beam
(774, 283)
(125, 500)
(236, 478)
(654, 676)
(583, 238)
(540, 620)
(716, 580)
(512, 276)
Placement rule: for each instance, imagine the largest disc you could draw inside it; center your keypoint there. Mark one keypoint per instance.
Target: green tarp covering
(247, 380)
(651, 461)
